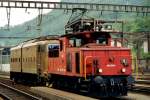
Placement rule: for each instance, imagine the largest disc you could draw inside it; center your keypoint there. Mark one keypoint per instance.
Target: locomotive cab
(91, 56)
(95, 47)
(85, 57)
(89, 38)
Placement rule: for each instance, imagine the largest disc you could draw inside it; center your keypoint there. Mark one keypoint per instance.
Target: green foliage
(138, 25)
(146, 55)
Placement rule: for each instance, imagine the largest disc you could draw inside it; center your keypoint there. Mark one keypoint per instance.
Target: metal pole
(137, 67)
(8, 11)
(148, 43)
(122, 34)
(0, 60)
(148, 40)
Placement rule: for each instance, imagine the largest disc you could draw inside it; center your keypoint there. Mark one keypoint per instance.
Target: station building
(4, 59)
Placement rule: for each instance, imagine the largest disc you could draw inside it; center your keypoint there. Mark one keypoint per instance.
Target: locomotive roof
(36, 41)
(44, 39)
(47, 37)
(91, 20)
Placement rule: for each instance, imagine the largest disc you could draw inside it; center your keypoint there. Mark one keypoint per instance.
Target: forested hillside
(54, 22)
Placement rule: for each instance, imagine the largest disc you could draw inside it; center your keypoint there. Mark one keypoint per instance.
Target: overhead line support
(70, 6)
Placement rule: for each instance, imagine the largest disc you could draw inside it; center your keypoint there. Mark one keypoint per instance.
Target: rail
(70, 6)
(4, 96)
(143, 82)
(142, 86)
(8, 94)
(141, 89)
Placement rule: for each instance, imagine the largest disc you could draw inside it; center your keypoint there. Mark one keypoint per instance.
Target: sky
(21, 15)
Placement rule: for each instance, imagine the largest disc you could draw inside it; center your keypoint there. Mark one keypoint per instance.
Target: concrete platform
(54, 94)
(4, 74)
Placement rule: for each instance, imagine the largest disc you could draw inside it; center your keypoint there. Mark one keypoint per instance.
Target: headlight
(123, 70)
(100, 70)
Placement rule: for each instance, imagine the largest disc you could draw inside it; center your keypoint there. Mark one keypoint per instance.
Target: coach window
(41, 48)
(53, 50)
(34, 59)
(30, 59)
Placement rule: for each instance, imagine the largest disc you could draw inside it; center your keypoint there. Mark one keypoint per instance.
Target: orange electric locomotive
(85, 60)
(82, 59)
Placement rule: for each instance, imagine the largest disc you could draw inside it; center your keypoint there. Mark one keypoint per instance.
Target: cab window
(101, 40)
(75, 42)
(53, 50)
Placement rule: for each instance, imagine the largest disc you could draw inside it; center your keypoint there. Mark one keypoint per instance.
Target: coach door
(40, 58)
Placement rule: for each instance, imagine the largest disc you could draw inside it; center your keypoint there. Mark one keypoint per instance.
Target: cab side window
(75, 42)
(53, 50)
(102, 40)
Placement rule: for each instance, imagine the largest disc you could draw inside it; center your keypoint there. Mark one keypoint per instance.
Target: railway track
(10, 93)
(145, 82)
(141, 89)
